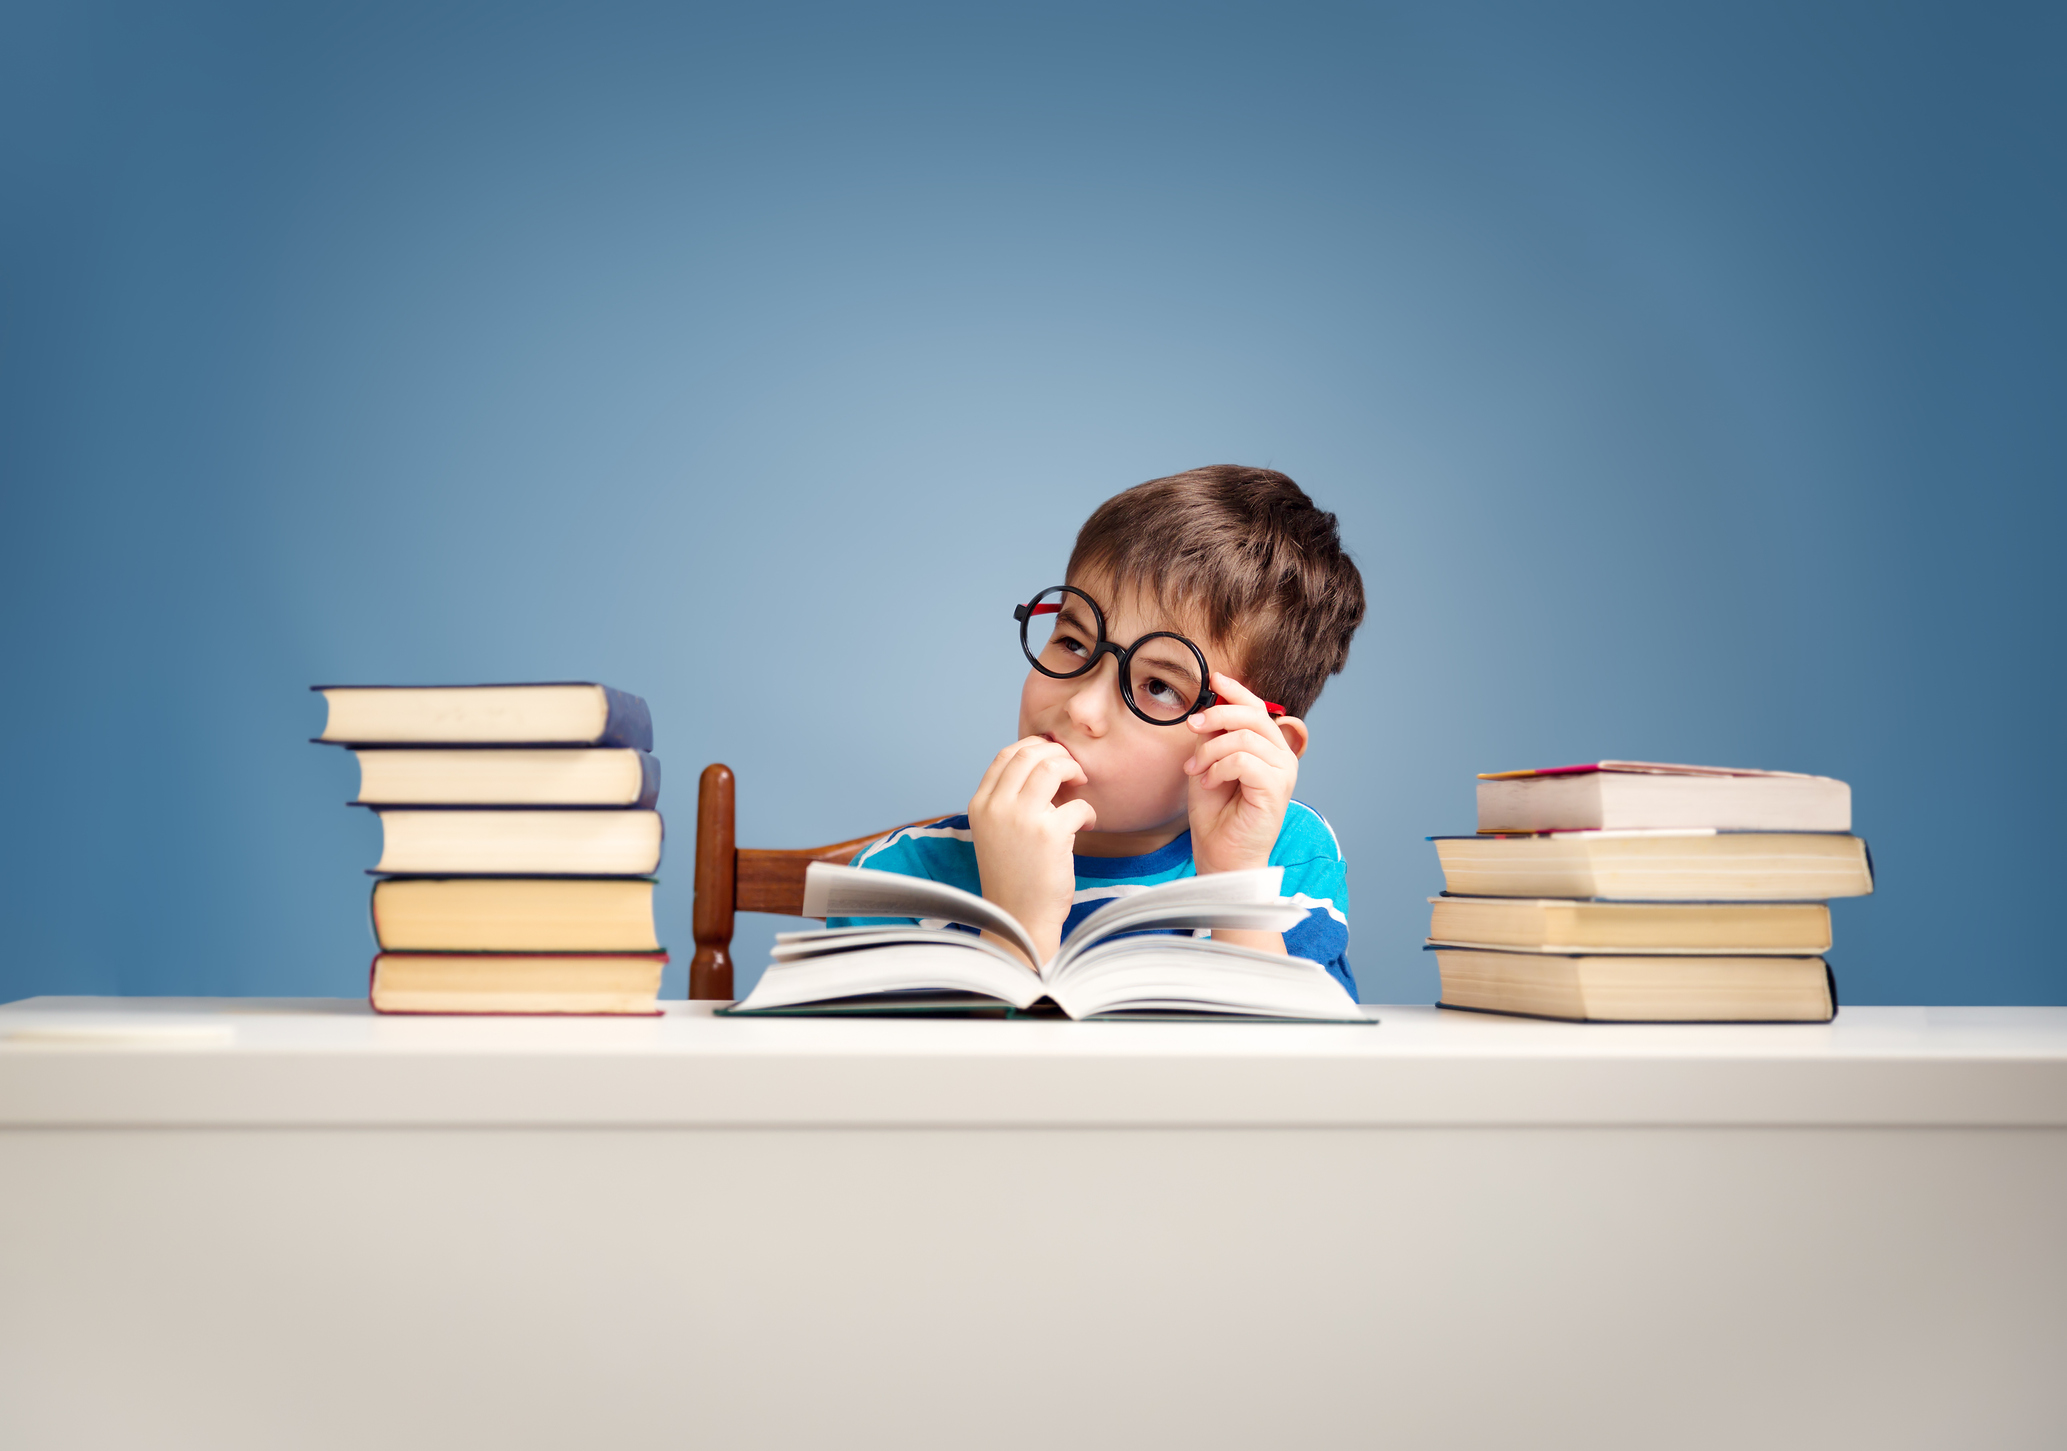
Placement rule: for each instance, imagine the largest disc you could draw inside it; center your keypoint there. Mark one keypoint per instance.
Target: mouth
(1050, 736)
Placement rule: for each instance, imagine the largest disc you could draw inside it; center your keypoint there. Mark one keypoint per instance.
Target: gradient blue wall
(1689, 383)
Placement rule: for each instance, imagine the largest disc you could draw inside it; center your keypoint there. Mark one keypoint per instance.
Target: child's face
(1136, 770)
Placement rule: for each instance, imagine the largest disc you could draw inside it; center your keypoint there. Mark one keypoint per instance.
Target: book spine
(629, 723)
(649, 782)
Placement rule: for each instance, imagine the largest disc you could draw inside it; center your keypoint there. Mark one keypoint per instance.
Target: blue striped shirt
(1306, 848)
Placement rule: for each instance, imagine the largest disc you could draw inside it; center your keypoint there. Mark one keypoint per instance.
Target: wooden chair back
(756, 879)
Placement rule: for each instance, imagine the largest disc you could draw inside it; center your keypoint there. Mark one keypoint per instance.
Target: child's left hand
(1242, 776)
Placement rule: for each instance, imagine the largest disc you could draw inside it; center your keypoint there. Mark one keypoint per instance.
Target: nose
(1091, 701)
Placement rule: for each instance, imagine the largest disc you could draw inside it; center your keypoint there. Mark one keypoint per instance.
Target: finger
(1012, 771)
(1262, 747)
(1028, 754)
(1234, 718)
(1077, 816)
(1214, 747)
(1230, 689)
(990, 773)
(1049, 775)
(1242, 767)
(1230, 715)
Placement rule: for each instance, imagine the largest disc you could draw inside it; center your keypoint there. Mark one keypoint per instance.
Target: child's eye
(1162, 692)
(1072, 644)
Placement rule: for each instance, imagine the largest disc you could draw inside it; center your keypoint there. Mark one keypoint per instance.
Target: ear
(1295, 733)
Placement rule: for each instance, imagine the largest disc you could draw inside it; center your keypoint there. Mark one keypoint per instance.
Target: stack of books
(1631, 891)
(519, 842)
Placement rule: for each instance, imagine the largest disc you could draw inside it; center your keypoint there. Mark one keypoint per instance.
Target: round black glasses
(1163, 676)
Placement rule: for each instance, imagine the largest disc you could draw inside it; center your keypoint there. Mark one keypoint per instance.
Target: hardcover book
(514, 914)
(512, 776)
(1677, 865)
(1612, 795)
(566, 713)
(1562, 925)
(459, 982)
(1636, 989)
(518, 842)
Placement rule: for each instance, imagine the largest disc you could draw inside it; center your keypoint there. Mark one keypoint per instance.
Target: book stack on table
(1631, 891)
(519, 842)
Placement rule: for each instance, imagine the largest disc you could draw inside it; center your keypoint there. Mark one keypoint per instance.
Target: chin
(1115, 819)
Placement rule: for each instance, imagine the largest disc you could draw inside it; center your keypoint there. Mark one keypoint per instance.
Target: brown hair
(1245, 552)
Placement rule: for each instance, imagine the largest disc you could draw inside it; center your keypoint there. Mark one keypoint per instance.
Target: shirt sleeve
(1317, 879)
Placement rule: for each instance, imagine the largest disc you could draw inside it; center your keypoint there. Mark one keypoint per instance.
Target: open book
(1100, 971)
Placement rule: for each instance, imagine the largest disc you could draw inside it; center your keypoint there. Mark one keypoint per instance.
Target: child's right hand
(1025, 841)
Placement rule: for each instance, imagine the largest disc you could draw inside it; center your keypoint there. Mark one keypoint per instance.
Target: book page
(833, 891)
(1250, 889)
(897, 970)
(1246, 900)
(1184, 975)
(793, 946)
(1275, 916)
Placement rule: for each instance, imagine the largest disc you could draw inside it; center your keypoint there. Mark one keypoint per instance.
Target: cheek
(1144, 778)
(1035, 697)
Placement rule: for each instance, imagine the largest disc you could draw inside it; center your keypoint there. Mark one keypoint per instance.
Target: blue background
(1689, 381)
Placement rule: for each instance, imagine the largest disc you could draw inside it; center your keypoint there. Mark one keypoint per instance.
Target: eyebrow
(1075, 621)
(1171, 664)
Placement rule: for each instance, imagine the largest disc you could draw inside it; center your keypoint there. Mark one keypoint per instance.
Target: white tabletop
(174, 1062)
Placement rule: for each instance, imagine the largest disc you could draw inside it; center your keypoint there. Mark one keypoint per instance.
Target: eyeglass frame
(1124, 656)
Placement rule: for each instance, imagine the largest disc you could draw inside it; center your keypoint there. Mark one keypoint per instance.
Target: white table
(246, 1223)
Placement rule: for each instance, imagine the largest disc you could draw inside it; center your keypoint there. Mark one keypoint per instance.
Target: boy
(1153, 744)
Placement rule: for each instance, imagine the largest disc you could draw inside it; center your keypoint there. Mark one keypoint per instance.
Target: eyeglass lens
(1163, 675)
(1062, 633)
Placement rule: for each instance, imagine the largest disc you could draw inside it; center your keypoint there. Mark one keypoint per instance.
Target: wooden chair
(730, 880)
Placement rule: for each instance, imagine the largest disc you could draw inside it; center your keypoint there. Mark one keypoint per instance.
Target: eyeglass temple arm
(1212, 698)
